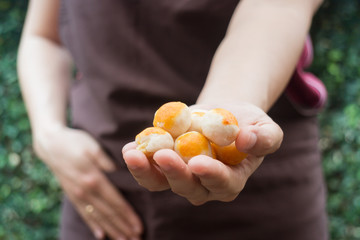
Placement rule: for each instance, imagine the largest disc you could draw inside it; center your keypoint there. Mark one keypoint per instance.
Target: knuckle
(152, 188)
(80, 194)
(230, 198)
(280, 139)
(272, 142)
(80, 153)
(89, 181)
(96, 151)
(180, 192)
(268, 143)
(197, 202)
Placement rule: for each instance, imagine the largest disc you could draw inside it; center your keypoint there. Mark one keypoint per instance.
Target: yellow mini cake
(153, 139)
(220, 126)
(229, 154)
(174, 117)
(196, 119)
(191, 144)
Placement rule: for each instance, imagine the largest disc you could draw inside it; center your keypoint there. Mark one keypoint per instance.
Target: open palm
(203, 178)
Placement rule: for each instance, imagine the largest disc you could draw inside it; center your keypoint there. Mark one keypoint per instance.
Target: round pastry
(196, 119)
(174, 117)
(153, 139)
(191, 144)
(220, 126)
(229, 154)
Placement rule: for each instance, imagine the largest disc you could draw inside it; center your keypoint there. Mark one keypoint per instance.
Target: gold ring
(89, 208)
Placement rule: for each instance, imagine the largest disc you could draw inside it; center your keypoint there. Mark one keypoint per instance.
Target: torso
(135, 55)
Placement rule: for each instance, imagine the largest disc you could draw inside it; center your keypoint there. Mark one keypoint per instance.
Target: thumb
(259, 140)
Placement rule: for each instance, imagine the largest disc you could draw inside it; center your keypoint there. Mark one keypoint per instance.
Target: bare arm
(75, 158)
(259, 52)
(44, 68)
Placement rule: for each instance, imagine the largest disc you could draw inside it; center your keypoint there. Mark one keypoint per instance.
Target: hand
(204, 179)
(77, 160)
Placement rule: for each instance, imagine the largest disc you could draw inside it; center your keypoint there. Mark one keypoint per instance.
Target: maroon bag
(305, 91)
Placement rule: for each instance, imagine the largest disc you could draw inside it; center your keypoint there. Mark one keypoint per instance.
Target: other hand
(78, 162)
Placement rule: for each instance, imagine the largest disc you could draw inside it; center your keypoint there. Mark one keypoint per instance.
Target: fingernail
(137, 229)
(133, 167)
(98, 234)
(252, 141)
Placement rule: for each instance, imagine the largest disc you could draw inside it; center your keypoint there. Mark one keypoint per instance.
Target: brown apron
(135, 55)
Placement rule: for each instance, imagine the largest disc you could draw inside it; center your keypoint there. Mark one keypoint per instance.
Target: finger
(107, 226)
(223, 182)
(246, 138)
(250, 164)
(114, 205)
(260, 140)
(129, 146)
(114, 224)
(144, 172)
(80, 205)
(93, 225)
(110, 210)
(213, 174)
(179, 177)
(96, 189)
(102, 160)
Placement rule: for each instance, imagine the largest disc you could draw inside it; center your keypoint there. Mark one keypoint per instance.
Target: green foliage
(30, 196)
(336, 33)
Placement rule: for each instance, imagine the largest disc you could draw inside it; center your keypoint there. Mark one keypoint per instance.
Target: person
(130, 57)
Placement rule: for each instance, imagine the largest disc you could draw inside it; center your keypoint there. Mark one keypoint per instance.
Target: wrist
(42, 132)
(215, 99)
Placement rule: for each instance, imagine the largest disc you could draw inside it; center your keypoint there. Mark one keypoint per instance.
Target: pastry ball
(191, 144)
(229, 154)
(196, 119)
(174, 117)
(153, 139)
(220, 126)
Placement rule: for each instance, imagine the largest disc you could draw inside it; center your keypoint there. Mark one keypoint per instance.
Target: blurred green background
(30, 196)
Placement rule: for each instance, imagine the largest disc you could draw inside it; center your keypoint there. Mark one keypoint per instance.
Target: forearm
(44, 73)
(259, 52)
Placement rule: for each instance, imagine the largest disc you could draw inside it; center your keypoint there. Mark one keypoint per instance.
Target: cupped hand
(205, 179)
(78, 162)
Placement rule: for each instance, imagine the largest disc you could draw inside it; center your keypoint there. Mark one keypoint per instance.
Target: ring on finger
(89, 208)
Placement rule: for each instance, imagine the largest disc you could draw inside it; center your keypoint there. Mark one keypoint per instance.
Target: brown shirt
(135, 55)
